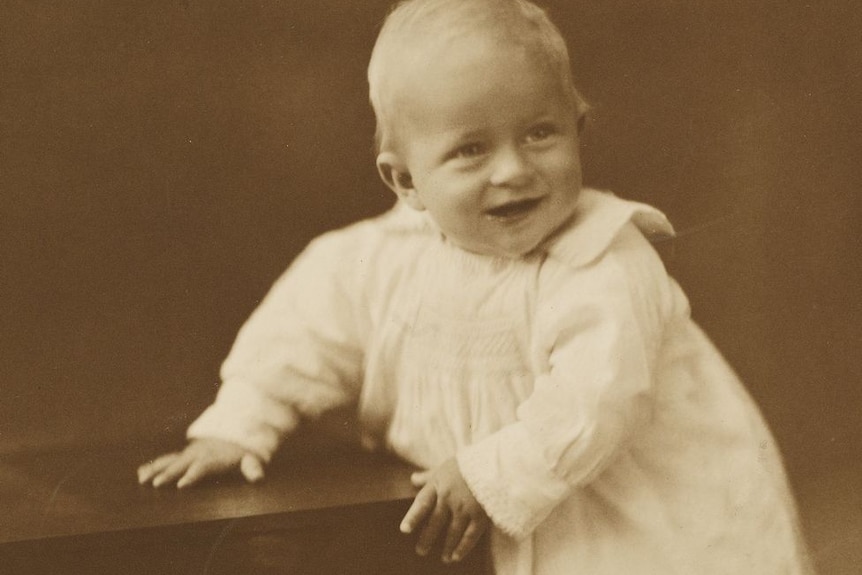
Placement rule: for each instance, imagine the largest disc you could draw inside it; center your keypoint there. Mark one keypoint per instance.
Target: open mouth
(513, 209)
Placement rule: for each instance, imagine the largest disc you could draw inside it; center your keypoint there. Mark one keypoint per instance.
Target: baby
(513, 334)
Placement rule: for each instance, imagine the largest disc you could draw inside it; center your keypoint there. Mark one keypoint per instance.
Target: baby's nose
(511, 169)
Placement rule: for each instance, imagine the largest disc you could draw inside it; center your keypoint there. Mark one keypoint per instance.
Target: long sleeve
(299, 354)
(597, 330)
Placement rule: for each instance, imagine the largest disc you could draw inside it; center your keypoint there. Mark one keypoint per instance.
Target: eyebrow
(451, 140)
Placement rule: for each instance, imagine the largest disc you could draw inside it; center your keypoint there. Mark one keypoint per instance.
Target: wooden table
(328, 509)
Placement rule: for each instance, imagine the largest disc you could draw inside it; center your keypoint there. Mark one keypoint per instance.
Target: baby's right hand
(201, 458)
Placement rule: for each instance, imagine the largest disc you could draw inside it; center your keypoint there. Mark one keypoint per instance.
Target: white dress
(593, 420)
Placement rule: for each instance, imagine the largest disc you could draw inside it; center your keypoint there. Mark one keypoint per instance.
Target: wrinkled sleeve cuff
(246, 420)
(510, 481)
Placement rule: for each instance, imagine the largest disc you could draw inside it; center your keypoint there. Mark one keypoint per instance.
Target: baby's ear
(394, 174)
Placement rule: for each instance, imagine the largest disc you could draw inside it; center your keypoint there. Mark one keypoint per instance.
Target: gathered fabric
(595, 422)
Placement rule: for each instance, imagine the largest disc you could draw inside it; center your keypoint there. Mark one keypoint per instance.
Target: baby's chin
(508, 250)
(563, 214)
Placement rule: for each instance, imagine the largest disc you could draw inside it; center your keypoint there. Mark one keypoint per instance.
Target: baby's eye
(540, 133)
(470, 150)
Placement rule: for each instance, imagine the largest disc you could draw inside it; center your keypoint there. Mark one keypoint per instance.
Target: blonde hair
(413, 23)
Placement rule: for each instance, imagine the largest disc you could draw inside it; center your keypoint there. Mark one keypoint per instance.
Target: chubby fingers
(148, 471)
(428, 510)
(174, 470)
(194, 471)
(422, 505)
(455, 533)
(468, 540)
(434, 527)
(419, 478)
(251, 467)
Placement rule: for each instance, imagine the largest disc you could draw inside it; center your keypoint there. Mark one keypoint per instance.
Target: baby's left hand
(445, 500)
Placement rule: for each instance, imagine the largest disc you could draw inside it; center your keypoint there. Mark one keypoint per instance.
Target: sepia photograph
(496, 287)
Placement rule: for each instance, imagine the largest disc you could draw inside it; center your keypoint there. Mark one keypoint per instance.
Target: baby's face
(490, 140)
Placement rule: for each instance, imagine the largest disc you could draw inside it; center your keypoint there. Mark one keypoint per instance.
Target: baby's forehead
(460, 60)
(419, 58)
(435, 30)
(452, 103)
(420, 33)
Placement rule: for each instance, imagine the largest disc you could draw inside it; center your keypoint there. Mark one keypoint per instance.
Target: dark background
(162, 162)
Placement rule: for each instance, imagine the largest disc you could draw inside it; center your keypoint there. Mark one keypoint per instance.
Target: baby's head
(478, 120)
